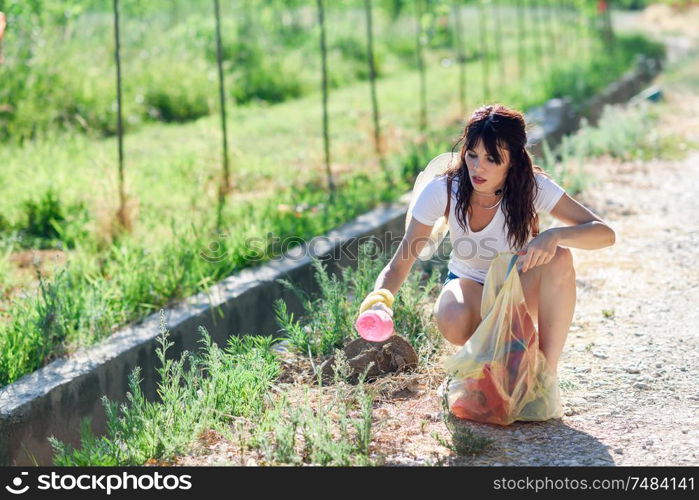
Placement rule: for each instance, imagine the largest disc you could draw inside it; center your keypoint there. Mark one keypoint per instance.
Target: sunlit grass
(229, 390)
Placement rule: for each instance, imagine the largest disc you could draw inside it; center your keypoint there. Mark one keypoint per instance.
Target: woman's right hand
(379, 300)
(380, 306)
(395, 272)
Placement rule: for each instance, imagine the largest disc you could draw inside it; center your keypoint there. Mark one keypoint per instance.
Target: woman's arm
(393, 275)
(584, 229)
(589, 236)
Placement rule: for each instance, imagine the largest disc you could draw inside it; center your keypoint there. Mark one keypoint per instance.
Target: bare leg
(458, 310)
(550, 294)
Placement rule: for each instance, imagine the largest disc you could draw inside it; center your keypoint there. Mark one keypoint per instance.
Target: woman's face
(482, 166)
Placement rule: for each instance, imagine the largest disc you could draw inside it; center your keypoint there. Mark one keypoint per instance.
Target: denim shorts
(451, 276)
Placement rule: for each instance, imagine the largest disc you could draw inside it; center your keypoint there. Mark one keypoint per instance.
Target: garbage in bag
(500, 375)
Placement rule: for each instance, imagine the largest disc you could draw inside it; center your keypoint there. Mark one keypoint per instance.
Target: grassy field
(59, 194)
(59, 65)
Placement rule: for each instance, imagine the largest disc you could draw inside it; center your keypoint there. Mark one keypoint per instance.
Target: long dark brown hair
(497, 125)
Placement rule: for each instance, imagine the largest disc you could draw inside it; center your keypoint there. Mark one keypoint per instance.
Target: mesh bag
(500, 375)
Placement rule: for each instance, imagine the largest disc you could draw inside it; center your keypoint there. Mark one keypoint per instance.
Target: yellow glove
(383, 295)
(387, 294)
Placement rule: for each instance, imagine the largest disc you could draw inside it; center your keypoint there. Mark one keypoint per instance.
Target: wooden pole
(368, 7)
(324, 83)
(419, 13)
(554, 39)
(609, 27)
(538, 36)
(521, 35)
(483, 33)
(3, 24)
(225, 187)
(498, 40)
(121, 214)
(460, 56)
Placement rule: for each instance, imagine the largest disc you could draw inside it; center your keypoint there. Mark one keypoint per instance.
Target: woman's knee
(562, 263)
(456, 322)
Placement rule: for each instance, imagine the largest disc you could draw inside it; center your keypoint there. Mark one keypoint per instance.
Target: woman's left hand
(539, 251)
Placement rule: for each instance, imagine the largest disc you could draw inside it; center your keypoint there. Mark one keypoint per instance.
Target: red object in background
(602, 6)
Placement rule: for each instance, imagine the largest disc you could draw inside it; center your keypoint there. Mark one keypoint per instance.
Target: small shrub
(268, 81)
(464, 441)
(329, 319)
(333, 433)
(165, 106)
(48, 222)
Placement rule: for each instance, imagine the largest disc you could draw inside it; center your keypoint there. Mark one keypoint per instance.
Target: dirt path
(631, 356)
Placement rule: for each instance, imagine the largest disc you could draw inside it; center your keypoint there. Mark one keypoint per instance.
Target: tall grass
(90, 297)
(58, 70)
(214, 387)
(47, 222)
(564, 79)
(625, 133)
(311, 430)
(6, 249)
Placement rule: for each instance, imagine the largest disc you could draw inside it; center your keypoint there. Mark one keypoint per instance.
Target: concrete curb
(54, 399)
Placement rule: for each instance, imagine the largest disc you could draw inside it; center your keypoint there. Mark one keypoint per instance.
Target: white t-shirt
(473, 251)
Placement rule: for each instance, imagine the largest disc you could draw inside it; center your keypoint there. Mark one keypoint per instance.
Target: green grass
(566, 384)
(682, 76)
(462, 439)
(218, 389)
(337, 432)
(59, 68)
(625, 133)
(608, 313)
(88, 298)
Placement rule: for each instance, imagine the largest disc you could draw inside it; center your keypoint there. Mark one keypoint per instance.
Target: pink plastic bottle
(374, 325)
